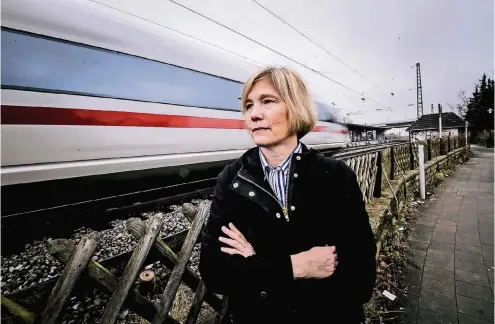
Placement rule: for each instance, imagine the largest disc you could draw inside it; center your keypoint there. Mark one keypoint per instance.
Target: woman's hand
(237, 241)
(319, 262)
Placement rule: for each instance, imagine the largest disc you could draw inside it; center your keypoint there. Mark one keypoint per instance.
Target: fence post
(411, 156)
(67, 280)
(377, 191)
(440, 120)
(131, 271)
(443, 146)
(19, 313)
(175, 277)
(448, 143)
(421, 165)
(428, 142)
(392, 163)
(466, 138)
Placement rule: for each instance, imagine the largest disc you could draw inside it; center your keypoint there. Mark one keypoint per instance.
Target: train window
(45, 64)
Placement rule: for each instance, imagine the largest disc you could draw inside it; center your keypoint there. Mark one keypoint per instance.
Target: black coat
(328, 209)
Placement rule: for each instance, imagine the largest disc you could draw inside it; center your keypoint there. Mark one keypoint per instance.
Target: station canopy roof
(358, 127)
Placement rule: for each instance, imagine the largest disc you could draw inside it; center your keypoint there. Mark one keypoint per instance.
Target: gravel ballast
(34, 265)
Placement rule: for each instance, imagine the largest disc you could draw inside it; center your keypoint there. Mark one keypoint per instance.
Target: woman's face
(266, 115)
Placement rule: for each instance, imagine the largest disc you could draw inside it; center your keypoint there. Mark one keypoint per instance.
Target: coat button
(263, 294)
(251, 193)
(298, 158)
(236, 185)
(278, 215)
(296, 175)
(292, 208)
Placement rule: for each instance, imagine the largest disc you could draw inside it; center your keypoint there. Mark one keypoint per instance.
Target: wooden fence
(78, 263)
(373, 169)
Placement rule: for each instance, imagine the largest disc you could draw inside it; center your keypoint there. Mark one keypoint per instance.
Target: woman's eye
(267, 101)
(249, 106)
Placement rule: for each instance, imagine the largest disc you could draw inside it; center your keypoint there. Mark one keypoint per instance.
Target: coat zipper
(284, 208)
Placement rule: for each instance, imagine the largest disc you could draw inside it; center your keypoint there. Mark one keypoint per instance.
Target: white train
(87, 90)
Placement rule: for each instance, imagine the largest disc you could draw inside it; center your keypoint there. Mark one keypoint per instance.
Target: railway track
(63, 220)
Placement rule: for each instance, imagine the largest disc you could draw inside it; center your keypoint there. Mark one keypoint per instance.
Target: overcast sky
(376, 43)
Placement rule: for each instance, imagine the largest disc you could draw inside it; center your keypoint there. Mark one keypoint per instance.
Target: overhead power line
(179, 32)
(392, 93)
(312, 41)
(277, 52)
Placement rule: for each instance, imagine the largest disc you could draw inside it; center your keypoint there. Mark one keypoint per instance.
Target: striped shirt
(277, 177)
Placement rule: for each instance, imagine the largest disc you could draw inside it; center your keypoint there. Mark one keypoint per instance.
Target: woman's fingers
(238, 234)
(237, 241)
(233, 243)
(233, 228)
(230, 251)
(232, 234)
(335, 263)
(330, 264)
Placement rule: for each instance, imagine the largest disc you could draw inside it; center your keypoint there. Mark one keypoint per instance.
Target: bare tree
(460, 108)
(462, 96)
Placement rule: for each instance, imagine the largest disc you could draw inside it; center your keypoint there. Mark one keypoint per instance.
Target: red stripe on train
(29, 115)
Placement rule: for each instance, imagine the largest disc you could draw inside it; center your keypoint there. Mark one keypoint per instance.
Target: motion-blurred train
(90, 91)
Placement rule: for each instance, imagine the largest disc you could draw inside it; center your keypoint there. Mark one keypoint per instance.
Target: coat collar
(284, 165)
(251, 175)
(251, 163)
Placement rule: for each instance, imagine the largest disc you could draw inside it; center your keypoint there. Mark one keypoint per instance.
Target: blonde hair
(293, 90)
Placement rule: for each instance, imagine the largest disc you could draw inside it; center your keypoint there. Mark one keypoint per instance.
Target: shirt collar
(282, 166)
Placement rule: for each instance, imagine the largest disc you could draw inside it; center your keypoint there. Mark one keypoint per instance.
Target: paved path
(450, 268)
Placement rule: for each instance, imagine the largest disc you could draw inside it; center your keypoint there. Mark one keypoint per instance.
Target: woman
(288, 238)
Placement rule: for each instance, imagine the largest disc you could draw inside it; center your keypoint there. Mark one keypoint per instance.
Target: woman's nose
(256, 113)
